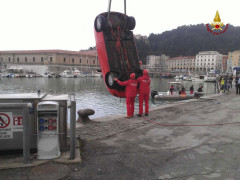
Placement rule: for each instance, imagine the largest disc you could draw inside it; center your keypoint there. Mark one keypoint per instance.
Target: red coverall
(131, 93)
(144, 90)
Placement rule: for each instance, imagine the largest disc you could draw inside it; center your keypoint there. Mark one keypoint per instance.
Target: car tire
(100, 23)
(131, 23)
(111, 84)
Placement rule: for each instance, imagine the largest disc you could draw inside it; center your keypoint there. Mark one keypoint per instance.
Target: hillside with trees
(188, 41)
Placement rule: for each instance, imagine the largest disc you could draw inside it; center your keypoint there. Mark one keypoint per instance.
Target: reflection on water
(90, 92)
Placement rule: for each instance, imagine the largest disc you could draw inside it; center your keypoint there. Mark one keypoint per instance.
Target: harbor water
(91, 92)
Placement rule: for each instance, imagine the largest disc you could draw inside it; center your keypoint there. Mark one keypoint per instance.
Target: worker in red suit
(144, 90)
(130, 92)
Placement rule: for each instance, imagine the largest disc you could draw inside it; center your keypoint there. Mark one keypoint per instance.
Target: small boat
(46, 75)
(78, 73)
(29, 76)
(198, 78)
(167, 75)
(208, 78)
(175, 96)
(67, 74)
(168, 96)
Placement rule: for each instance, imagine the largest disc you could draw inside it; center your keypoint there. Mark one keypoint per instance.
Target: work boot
(146, 114)
(139, 115)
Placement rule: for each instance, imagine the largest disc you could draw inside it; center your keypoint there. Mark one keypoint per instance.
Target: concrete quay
(194, 139)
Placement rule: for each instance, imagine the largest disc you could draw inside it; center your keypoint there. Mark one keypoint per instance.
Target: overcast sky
(68, 24)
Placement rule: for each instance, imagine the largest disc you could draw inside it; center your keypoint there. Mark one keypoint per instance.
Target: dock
(192, 139)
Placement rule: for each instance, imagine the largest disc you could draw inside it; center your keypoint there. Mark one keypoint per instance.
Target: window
(41, 59)
(80, 61)
(87, 61)
(50, 59)
(93, 61)
(9, 59)
(72, 60)
(64, 59)
(33, 59)
(25, 59)
(17, 59)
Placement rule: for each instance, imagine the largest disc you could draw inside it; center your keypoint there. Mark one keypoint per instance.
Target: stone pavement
(140, 148)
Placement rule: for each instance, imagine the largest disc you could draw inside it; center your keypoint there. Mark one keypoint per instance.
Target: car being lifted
(116, 48)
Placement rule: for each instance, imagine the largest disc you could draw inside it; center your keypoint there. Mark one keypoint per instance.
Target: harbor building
(208, 60)
(50, 57)
(182, 64)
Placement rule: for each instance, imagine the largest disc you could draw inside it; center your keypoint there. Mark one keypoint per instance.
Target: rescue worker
(191, 89)
(130, 92)
(200, 89)
(222, 85)
(183, 91)
(172, 89)
(144, 90)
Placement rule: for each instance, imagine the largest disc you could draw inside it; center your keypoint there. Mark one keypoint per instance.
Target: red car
(116, 49)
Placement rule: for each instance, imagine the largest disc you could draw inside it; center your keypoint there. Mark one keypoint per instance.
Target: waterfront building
(50, 57)
(208, 60)
(182, 64)
(235, 57)
(157, 63)
(224, 63)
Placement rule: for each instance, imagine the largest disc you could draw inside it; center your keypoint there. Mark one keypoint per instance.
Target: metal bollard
(26, 144)
(72, 129)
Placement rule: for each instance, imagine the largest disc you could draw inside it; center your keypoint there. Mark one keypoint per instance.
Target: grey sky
(68, 24)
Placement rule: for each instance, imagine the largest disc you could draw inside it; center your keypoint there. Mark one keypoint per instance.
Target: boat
(167, 75)
(209, 78)
(67, 74)
(29, 76)
(198, 78)
(175, 96)
(187, 78)
(46, 75)
(78, 73)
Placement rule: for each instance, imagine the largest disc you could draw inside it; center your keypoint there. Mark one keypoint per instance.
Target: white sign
(6, 125)
(17, 123)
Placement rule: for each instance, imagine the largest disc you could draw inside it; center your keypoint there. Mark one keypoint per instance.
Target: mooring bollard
(83, 115)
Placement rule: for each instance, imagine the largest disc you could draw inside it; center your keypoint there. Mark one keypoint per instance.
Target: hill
(188, 41)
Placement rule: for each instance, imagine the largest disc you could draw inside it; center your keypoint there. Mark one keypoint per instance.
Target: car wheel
(100, 23)
(131, 23)
(111, 84)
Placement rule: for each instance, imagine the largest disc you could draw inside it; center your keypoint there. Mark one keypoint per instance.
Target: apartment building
(157, 63)
(50, 57)
(208, 60)
(235, 58)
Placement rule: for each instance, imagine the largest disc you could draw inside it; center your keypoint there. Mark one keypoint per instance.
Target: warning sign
(17, 123)
(6, 125)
